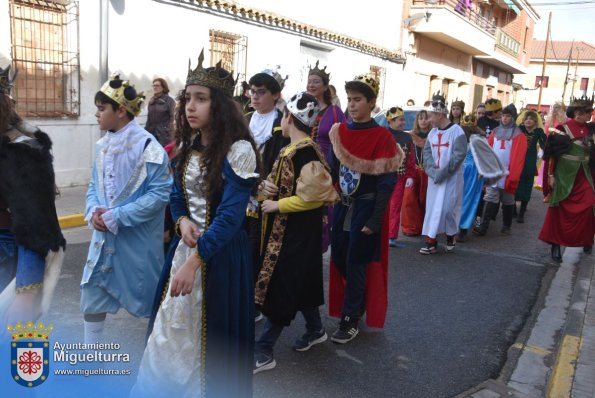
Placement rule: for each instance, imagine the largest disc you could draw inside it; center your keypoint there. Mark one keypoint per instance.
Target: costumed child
(364, 164)
(570, 166)
(203, 336)
(473, 184)
(127, 194)
(414, 199)
(444, 153)
(405, 174)
(31, 243)
(265, 127)
(510, 144)
(457, 111)
(531, 125)
(290, 280)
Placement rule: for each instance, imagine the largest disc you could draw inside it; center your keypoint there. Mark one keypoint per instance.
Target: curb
(564, 369)
(72, 221)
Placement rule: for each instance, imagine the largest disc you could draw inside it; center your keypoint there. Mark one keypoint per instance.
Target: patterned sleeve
(242, 159)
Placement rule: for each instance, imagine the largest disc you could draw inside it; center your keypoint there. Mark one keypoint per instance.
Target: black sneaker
(309, 339)
(263, 362)
(258, 316)
(346, 332)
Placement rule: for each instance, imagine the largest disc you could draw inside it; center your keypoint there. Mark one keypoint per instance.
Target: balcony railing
(464, 8)
(507, 43)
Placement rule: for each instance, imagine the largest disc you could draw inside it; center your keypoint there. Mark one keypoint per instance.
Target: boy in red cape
(364, 162)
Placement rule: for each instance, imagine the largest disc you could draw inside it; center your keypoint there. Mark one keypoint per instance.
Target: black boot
(489, 212)
(556, 253)
(506, 218)
(521, 217)
(514, 213)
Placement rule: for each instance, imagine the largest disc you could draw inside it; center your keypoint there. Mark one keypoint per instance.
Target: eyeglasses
(259, 92)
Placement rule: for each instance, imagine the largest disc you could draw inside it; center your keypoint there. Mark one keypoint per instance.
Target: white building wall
(147, 39)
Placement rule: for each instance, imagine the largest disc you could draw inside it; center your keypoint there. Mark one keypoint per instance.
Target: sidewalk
(557, 360)
(70, 205)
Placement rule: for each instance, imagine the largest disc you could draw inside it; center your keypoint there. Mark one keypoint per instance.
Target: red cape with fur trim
(518, 152)
(376, 296)
(370, 151)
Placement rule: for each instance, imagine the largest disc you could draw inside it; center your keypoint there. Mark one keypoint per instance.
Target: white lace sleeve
(242, 159)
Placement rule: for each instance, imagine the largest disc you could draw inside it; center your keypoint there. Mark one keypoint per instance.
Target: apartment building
(467, 49)
(569, 71)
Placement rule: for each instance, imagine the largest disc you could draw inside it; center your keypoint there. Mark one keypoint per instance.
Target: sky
(566, 17)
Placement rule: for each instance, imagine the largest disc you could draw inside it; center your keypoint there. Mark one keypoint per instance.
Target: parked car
(410, 113)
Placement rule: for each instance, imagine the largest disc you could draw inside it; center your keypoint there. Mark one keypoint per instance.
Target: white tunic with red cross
(443, 201)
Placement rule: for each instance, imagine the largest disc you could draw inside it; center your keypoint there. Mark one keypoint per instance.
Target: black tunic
(296, 282)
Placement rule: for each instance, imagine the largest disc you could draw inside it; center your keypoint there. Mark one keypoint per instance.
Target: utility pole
(547, 41)
(567, 70)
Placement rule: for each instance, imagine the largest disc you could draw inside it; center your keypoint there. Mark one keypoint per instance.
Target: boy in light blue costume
(127, 195)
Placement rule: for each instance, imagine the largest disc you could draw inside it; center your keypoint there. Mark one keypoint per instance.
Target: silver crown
(277, 76)
(306, 115)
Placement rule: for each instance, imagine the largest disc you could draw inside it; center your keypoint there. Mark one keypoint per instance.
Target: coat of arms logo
(29, 353)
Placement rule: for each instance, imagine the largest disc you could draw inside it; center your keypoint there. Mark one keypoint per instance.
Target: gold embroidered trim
(27, 288)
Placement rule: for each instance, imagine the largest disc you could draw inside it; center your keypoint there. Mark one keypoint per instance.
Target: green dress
(535, 137)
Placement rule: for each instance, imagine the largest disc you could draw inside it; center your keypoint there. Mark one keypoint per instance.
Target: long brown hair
(416, 128)
(226, 126)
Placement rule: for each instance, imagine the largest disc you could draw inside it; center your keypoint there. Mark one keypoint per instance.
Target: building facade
(467, 49)
(569, 71)
(64, 50)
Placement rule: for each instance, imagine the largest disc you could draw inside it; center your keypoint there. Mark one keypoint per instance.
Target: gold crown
(394, 113)
(369, 80)
(493, 105)
(211, 79)
(5, 81)
(468, 121)
(459, 103)
(30, 331)
(116, 89)
(582, 102)
(320, 72)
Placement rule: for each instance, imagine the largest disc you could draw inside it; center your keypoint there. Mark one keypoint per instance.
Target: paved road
(451, 320)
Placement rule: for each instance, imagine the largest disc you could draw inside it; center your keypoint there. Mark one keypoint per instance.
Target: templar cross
(440, 144)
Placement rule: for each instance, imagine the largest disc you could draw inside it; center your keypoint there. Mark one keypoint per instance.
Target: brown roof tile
(559, 50)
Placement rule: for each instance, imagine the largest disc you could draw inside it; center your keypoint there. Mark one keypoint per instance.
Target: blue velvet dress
(202, 344)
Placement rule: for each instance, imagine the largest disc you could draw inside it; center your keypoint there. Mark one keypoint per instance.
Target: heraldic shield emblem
(30, 353)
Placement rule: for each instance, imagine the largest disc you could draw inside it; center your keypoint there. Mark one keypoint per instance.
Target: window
(539, 80)
(232, 50)
(584, 83)
(44, 38)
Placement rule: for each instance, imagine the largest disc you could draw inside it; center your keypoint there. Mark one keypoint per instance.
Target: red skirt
(414, 205)
(572, 222)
